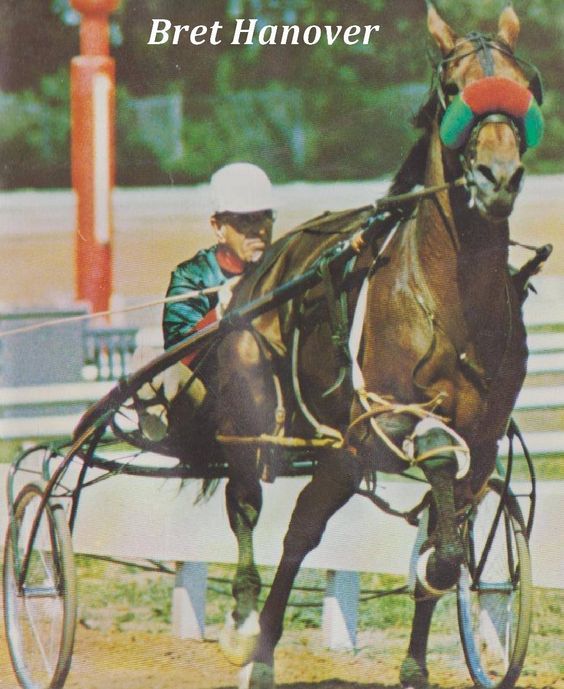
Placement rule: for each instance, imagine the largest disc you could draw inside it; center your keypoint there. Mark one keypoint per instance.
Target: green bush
(34, 135)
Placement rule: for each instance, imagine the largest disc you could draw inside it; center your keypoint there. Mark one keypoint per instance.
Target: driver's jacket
(197, 273)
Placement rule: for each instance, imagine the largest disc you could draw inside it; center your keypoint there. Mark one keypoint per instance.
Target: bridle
(482, 46)
(461, 120)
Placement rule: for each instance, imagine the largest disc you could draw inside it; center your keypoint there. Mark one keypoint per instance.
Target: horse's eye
(451, 89)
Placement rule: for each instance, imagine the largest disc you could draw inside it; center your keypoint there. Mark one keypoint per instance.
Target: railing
(108, 351)
(134, 519)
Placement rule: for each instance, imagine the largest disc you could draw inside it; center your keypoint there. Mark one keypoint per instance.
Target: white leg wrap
(238, 643)
(245, 676)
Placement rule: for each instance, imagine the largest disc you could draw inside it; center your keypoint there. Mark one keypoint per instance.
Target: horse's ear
(509, 25)
(444, 36)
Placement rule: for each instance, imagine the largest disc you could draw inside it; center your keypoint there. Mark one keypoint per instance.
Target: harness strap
(281, 441)
(321, 430)
(483, 51)
(411, 516)
(375, 405)
(338, 321)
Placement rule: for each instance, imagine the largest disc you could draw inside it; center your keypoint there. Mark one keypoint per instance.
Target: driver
(242, 221)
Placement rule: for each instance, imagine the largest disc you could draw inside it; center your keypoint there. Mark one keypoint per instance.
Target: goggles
(246, 223)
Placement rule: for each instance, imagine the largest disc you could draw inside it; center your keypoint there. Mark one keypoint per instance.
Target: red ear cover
(497, 94)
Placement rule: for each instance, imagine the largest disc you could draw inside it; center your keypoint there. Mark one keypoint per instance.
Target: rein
(326, 436)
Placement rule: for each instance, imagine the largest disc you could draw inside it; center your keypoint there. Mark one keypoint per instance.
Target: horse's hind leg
(246, 408)
(335, 481)
(244, 501)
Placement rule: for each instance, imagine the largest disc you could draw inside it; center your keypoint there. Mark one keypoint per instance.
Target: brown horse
(440, 360)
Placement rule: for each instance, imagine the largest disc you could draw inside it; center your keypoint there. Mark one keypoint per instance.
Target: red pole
(92, 152)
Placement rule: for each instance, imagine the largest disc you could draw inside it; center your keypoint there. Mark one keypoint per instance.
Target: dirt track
(156, 661)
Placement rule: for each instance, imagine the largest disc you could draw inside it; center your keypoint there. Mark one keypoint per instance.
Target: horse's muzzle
(494, 191)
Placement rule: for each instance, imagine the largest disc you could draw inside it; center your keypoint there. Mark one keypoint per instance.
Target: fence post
(340, 609)
(189, 600)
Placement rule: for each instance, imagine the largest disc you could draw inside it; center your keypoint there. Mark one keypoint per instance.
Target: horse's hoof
(413, 675)
(256, 676)
(238, 643)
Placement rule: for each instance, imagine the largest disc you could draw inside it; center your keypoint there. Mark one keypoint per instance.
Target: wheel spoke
(37, 636)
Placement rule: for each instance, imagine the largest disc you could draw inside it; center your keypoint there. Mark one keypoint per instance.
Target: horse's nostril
(487, 173)
(514, 183)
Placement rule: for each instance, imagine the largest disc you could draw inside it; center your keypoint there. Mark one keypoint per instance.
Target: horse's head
(490, 109)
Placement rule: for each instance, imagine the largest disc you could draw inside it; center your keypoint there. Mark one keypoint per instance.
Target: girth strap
(338, 322)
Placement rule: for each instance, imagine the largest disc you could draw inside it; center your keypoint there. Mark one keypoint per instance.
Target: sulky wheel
(40, 615)
(495, 591)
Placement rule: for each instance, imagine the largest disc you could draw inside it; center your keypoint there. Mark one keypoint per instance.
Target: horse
(440, 353)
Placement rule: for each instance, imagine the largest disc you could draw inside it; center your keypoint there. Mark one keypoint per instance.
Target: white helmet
(241, 188)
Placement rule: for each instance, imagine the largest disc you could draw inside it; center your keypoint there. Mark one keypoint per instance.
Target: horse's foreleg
(334, 483)
(439, 568)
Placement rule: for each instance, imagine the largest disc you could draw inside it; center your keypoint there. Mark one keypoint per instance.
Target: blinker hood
(486, 96)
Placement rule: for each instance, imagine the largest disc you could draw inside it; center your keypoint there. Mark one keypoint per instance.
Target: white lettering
(368, 30)
(270, 34)
(215, 27)
(267, 35)
(178, 29)
(349, 33)
(156, 30)
(239, 29)
(295, 34)
(333, 35)
(307, 34)
(197, 31)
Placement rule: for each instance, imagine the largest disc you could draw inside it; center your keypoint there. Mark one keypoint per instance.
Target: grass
(122, 597)
(9, 449)
(145, 597)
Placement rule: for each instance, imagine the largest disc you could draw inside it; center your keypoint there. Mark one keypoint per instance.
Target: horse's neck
(462, 256)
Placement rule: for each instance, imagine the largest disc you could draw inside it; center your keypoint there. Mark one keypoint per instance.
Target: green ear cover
(456, 124)
(533, 125)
